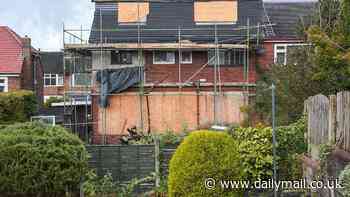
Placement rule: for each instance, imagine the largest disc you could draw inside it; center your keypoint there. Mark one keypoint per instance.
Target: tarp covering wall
(116, 81)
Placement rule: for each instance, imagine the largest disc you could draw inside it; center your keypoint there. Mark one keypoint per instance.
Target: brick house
(53, 74)
(20, 65)
(178, 65)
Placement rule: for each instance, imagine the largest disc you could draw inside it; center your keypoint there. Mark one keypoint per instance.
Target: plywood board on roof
(215, 11)
(131, 12)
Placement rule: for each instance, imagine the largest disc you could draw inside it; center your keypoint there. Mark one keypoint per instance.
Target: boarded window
(132, 12)
(224, 12)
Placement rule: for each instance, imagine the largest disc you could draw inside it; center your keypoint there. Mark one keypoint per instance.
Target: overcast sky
(42, 19)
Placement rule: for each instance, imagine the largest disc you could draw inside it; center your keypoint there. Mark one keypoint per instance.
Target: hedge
(202, 155)
(17, 106)
(37, 158)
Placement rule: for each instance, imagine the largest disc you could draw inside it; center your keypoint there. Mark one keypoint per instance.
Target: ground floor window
(121, 57)
(163, 57)
(51, 120)
(3, 84)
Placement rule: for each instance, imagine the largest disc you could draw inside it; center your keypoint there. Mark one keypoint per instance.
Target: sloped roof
(172, 14)
(288, 15)
(11, 47)
(52, 62)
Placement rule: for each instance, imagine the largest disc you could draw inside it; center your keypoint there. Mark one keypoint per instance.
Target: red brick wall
(169, 73)
(267, 58)
(14, 83)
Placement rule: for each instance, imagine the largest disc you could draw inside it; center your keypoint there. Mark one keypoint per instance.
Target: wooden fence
(328, 120)
(126, 162)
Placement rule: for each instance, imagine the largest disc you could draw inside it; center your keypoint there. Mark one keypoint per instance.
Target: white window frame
(186, 62)
(57, 76)
(35, 118)
(285, 50)
(75, 85)
(5, 84)
(163, 62)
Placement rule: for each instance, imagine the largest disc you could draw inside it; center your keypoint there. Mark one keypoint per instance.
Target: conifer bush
(38, 158)
(203, 155)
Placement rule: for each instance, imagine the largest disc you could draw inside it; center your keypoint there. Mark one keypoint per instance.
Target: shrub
(291, 143)
(17, 106)
(345, 181)
(255, 148)
(51, 100)
(202, 155)
(37, 158)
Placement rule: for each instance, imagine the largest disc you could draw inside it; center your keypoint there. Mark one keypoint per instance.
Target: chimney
(27, 48)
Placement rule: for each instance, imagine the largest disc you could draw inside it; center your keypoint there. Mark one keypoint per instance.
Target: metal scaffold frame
(76, 44)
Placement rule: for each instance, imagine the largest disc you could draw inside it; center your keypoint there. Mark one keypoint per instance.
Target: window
(280, 54)
(81, 79)
(51, 120)
(53, 79)
(163, 57)
(186, 57)
(215, 12)
(230, 57)
(3, 84)
(121, 58)
(282, 51)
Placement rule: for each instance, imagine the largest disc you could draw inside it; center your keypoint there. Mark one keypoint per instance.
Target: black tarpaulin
(116, 81)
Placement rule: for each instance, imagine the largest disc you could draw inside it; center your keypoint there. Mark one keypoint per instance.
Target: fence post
(332, 118)
(157, 161)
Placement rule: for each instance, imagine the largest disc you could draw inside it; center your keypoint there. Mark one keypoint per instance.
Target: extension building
(173, 65)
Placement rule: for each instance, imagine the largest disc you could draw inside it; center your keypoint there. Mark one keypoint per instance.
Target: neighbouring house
(20, 65)
(74, 111)
(176, 65)
(53, 74)
(289, 20)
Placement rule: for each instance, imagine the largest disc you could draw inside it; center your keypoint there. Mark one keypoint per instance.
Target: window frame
(224, 56)
(120, 53)
(36, 118)
(285, 51)
(5, 84)
(186, 62)
(75, 85)
(164, 62)
(57, 78)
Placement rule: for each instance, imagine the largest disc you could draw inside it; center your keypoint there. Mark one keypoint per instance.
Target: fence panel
(318, 109)
(343, 120)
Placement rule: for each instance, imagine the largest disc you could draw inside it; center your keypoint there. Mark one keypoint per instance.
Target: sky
(42, 20)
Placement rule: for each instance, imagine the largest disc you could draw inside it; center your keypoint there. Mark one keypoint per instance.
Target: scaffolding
(78, 48)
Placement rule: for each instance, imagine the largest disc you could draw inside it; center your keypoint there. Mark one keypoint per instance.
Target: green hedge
(37, 158)
(202, 155)
(17, 106)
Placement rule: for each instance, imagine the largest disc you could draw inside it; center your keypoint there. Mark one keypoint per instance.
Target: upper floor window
(3, 84)
(163, 57)
(215, 12)
(53, 79)
(186, 57)
(131, 13)
(81, 79)
(282, 51)
(227, 57)
(121, 58)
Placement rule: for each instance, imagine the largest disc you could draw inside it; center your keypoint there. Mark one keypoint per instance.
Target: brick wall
(14, 83)
(169, 73)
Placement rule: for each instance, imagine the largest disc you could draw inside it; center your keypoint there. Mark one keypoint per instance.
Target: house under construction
(161, 65)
